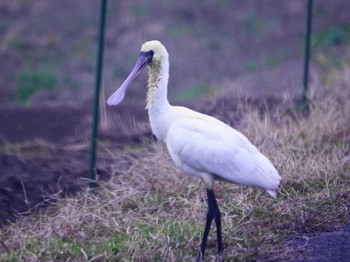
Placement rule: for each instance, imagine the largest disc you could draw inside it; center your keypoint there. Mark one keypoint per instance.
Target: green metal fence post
(99, 66)
(304, 101)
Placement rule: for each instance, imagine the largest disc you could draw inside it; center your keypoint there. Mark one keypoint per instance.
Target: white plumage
(199, 145)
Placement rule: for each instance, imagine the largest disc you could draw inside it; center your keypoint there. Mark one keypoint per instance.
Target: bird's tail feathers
(272, 193)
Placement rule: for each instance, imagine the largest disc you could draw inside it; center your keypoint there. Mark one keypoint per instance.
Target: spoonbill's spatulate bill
(200, 145)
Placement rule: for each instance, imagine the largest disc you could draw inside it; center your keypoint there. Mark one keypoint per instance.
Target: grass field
(150, 211)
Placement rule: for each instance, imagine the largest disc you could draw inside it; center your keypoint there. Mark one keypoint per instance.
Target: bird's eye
(149, 55)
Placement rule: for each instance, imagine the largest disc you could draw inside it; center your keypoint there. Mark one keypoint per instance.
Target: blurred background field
(227, 59)
(48, 47)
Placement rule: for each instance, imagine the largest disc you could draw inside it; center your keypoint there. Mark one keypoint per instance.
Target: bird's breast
(160, 123)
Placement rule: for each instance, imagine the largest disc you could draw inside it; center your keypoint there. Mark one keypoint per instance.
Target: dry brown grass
(150, 211)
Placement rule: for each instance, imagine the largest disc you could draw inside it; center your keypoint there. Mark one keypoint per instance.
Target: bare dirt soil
(330, 246)
(34, 166)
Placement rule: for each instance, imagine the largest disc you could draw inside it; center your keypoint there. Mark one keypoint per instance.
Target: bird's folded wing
(208, 145)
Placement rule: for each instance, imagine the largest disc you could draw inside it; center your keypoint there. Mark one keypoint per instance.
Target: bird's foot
(221, 256)
(200, 256)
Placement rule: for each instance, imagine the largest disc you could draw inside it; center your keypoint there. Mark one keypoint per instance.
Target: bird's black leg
(212, 213)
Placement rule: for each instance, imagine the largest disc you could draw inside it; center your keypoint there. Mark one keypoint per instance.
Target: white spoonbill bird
(199, 145)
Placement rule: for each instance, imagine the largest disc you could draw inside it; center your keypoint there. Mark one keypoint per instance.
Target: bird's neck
(157, 88)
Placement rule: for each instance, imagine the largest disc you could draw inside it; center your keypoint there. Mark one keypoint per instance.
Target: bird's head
(152, 53)
(155, 48)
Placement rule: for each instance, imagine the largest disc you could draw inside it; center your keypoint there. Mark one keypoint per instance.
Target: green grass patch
(140, 10)
(251, 66)
(252, 23)
(28, 150)
(119, 71)
(336, 35)
(178, 30)
(16, 44)
(193, 92)
(31, 81)
(267, 61)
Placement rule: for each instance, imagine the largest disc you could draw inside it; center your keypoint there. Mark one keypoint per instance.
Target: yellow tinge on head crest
(160, 57)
